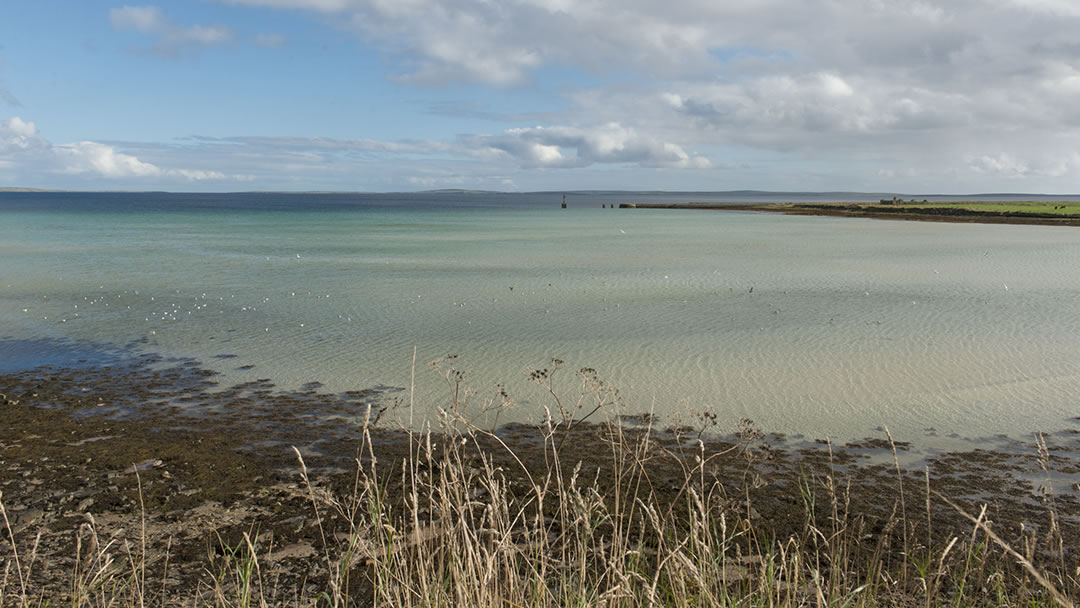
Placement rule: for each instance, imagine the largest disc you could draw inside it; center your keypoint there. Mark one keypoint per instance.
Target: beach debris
(145, 465)
(87, 440)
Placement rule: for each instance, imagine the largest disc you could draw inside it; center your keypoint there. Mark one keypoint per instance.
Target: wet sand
(206, 464)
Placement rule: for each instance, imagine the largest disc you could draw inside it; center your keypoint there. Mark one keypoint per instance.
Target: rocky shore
(156, 463)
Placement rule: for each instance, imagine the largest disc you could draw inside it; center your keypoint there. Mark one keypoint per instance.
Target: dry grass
(465, 522)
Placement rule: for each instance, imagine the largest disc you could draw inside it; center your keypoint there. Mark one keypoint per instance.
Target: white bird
(1006, 286)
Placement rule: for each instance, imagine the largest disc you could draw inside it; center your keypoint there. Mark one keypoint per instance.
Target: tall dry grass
(464, 520)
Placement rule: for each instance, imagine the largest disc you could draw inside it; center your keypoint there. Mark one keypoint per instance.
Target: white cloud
(23, 151)
(92, 157)
(170, 39)
(540, 147)
(563, 147)
(502, 43)
(106, 161)
(145, 19)
(196, 175)
(19, 140)
(1002, 164)
(792, 111)
(204, 34)
(17, 131)
(1007, 165)
(270, 41)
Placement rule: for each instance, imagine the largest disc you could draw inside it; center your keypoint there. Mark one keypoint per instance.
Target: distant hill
(459, 191)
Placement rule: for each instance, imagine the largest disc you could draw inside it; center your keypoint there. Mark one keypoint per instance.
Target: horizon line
(32, 190)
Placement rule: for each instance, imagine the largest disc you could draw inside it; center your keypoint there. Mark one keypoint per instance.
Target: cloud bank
(527, 149)
(24, 152)
(566, 147)
(897, 87)
(169, 38)
(917, 95)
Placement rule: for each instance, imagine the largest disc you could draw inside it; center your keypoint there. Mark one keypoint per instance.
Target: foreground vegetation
(469, 518)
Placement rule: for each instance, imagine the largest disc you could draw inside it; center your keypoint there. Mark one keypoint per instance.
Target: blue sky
(908, 96)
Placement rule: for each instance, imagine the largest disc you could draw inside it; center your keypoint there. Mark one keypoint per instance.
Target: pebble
(27, 517)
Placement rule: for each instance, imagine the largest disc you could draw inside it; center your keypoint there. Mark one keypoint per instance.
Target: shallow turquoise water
(820, 326)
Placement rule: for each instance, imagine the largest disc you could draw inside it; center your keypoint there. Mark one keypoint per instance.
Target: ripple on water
(805, 325)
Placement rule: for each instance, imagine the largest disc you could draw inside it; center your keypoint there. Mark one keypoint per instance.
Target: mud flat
(995, 212)
(155, 464)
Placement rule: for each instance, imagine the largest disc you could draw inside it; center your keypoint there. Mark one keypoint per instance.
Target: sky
(906, 96)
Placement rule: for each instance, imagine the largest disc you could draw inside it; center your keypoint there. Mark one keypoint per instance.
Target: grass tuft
(465, 520)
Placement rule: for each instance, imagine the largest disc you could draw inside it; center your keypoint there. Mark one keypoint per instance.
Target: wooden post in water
(564, 201)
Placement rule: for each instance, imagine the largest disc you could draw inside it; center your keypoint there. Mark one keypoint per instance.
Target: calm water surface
(820, 326)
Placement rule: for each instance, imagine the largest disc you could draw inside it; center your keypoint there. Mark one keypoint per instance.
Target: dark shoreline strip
(875, 211)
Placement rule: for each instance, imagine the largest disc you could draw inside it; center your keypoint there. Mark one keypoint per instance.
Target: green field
(1062, 208)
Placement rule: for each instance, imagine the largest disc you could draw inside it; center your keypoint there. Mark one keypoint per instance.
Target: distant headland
(1042, 212)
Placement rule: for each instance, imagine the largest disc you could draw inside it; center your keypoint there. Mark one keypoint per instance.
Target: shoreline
(158, 446)
(932, 212)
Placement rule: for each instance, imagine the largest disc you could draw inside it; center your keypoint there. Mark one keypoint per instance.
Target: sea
(811, 327)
